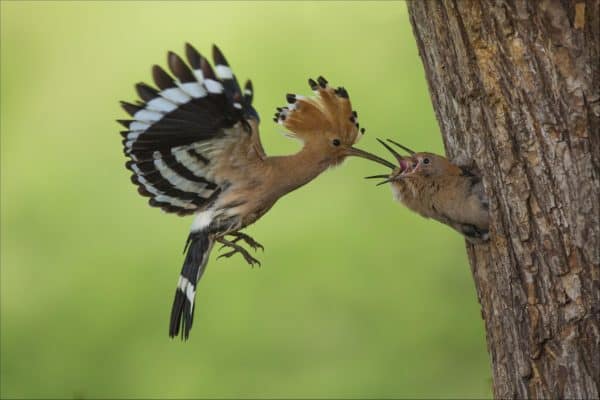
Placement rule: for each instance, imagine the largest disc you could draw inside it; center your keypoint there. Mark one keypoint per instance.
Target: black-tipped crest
(342, 92)
(322, 82)
(329, 111)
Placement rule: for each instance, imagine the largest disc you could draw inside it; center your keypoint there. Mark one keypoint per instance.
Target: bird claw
(238, 249)
(249, 259)
(248, 240)
(254, 244)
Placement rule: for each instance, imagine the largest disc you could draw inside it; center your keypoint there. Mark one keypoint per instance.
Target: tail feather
(182, 313)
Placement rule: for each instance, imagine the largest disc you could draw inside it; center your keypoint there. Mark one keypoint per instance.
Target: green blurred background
(357, 297)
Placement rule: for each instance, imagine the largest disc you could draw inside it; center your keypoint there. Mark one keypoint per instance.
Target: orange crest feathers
(328, 112)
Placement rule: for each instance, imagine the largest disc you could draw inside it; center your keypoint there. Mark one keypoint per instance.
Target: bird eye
(426, 161)
(336, 142)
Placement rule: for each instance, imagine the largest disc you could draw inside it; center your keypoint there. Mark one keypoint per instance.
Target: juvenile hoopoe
(194, 149)
(434, 187)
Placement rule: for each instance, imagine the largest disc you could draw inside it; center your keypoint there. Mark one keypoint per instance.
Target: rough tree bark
(515, 88)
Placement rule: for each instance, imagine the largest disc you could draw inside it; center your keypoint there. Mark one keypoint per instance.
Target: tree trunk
(515, 88)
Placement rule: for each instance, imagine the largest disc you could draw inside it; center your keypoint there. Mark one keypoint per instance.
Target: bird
(434, 187)
(193, 147)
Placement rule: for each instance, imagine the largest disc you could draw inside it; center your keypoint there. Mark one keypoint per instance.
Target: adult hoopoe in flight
(194, 149)
(434, 187)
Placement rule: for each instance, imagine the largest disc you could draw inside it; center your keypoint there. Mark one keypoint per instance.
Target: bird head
(325, 122)
(430, 165)
(416, 165)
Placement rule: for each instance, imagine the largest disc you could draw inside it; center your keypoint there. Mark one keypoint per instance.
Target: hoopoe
(194, 149)
(434, 187)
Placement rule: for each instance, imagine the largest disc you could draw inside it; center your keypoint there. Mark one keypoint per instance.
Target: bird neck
(293, 171)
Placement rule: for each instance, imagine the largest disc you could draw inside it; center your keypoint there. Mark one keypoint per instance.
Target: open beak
(386, 178)
(409, 151)
(352, 151)
(404, 163)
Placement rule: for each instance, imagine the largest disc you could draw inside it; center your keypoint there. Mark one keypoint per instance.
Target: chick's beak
(405, 164)
(353, 151)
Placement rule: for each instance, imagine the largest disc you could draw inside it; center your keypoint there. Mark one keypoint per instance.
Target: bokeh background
(357, 297)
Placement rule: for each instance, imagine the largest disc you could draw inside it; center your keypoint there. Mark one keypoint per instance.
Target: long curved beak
(353, 151)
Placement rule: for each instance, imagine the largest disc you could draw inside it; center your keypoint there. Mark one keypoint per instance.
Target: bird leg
(246, 238)
(237, 249)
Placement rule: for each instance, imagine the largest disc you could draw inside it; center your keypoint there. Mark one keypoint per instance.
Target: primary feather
(177, 124)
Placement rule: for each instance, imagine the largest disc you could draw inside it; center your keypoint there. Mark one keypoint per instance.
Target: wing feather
(180, 125)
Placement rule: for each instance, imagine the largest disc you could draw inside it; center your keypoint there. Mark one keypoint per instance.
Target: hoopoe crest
(327, 116)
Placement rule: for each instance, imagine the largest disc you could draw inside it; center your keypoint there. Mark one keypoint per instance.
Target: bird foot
(247, 239)
(237, 249)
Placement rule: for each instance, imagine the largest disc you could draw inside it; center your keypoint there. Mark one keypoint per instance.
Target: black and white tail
(182, 313)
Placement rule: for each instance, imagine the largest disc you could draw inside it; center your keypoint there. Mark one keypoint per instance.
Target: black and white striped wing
(176, 127)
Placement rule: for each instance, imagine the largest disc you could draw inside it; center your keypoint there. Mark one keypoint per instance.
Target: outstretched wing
(177, 129)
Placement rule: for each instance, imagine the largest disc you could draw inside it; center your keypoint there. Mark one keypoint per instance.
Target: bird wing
(182, 129)
(474, 175)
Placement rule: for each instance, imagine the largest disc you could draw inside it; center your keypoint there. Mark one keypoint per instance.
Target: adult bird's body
(194, 149)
